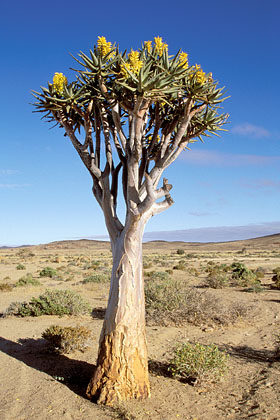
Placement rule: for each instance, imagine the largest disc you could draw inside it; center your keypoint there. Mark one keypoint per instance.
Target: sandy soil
(37, 384)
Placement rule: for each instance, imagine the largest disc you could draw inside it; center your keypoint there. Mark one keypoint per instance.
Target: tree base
(121, 373)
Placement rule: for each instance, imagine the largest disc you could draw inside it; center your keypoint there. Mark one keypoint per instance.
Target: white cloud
(261, 184)
(213, 158)
(251, 130)
(216, 234)
(8, 171)
(199, 214)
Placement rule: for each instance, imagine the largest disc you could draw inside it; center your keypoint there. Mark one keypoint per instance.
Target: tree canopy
(137, 109)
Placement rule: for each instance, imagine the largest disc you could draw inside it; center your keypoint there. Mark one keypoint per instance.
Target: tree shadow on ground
(75, 374)
(250, 354)
(98, 313)
(159, 368)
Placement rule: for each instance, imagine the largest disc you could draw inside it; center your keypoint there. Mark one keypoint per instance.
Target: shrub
(157, 275)
(180, 251)
(28, 280)
(217, 280)
(67, 339)
(276, 278)
(20, 267)
(51, 302)
(96, 278)
(171, 302)
(48, 272)
(180, 266)
(197, 363)
(6, 287)
(242, 274)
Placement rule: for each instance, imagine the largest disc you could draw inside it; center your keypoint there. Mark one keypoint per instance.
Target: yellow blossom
(150, 138)
(200, 75)
(59, 81)
(124, 68)
(103, 47)
(183, 60)
(160, 45)
(133, 65)
(148, 46)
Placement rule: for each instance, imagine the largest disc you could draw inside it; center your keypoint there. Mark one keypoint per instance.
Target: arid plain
(39, 384)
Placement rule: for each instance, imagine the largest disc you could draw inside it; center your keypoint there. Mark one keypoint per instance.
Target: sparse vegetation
(51, 302)
(180, 251)
(276, 277)
(6, 287)
(172, 302)
(28, 280)
(67, 339)
(21, 267)
(197, 363)
(48, 272)
(97, 278)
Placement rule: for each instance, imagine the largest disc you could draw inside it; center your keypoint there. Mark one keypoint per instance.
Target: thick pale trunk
(122, 366)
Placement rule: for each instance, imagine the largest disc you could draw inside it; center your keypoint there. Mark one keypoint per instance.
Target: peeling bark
(122, 365)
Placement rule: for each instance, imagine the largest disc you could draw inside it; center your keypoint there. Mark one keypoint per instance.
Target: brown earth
(37, 384)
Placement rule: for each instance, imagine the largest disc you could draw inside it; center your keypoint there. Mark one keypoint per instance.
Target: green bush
(51, 302)
(170, 302)
(28, 280)
(197, 363)
(67, 339)
(217, 280)
(157, 275)
(97, 278)
(244, 276)
(180, 251)
(48, 272)
(21, 267)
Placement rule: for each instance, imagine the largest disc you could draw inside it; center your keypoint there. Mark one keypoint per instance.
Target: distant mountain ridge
(271, 241)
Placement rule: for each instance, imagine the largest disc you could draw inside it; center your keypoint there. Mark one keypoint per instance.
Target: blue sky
(231, 184)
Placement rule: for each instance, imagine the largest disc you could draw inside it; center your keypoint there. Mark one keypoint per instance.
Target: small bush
(170, 302)
(180, 266)
(276, 279)
(217, 280)
(6, 287)
(28, 280)
(21, 267)
(67, 339)
(197, 363)
(157, 275)
(180, 251)
(244, 276)
(51, 302)
(97, 278)
(48, 272)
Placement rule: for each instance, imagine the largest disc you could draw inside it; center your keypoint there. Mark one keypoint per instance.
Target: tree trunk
(122, 365)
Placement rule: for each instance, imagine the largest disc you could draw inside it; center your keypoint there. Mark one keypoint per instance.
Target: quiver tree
(129, 116)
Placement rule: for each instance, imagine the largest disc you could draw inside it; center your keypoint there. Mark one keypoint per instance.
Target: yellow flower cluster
(160, 46)
(133, 65)
(148, 46)
(200, 75)
(59, 81)
(183, 60)
(150, 138)
(104, 47)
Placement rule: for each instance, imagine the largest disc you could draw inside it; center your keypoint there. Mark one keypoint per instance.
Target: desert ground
(39, 384)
